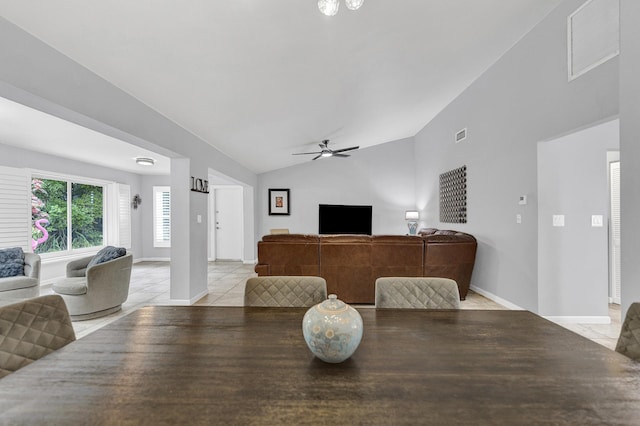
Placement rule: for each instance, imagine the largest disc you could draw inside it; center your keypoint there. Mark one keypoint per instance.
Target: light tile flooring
(150, 286)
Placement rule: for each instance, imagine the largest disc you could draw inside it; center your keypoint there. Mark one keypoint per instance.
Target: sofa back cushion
(11, 262)
(106, 254)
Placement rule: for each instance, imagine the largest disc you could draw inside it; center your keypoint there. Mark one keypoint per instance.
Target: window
(65, 215)
(161, 216)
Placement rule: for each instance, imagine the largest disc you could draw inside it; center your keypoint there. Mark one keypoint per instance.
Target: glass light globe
(328, 7)
(353, 4)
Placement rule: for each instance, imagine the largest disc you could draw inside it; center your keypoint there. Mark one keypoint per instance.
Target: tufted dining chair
(31, 329)
(417, 292)
(281, 291)
(629, 340)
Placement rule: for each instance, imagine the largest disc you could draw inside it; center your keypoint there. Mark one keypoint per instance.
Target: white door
(614, 231)
(228, 219)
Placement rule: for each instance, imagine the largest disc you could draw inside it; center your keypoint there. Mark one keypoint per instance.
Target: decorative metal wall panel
(453, 196)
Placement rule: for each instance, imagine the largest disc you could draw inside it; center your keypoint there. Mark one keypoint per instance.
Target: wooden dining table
(242, 365)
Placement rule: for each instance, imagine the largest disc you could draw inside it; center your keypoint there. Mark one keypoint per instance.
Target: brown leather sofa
(350, 264)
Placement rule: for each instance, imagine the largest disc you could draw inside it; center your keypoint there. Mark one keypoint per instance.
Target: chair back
(31, 329)
(629, 340)
(281, 291)
(417, 292)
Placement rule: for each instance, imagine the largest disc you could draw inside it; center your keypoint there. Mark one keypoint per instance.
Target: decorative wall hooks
(137, 200)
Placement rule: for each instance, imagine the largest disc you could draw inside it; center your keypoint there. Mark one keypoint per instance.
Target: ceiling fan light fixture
(353, 4)
(326, 154)
(328, 7)
(145, 161)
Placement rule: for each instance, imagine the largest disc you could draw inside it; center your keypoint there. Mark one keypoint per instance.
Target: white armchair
(92, 291)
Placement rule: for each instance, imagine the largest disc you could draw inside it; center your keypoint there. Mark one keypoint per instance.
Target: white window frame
(106, 200)
(160, 215)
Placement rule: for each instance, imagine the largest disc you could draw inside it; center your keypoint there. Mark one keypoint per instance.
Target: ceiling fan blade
(341, 155)
(345, 149)
(315, 158)
(306, 153)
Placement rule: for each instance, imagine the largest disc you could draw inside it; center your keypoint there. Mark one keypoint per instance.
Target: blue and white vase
(332, 330)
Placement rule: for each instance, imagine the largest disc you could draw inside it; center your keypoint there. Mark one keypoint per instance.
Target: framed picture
(279, 202)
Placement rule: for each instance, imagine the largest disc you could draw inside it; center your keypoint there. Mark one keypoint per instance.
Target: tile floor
(150, 286)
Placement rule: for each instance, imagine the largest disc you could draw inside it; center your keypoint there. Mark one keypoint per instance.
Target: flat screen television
(340, 219)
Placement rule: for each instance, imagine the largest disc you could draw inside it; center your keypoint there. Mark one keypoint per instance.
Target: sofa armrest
(32, 266)
(78, 267)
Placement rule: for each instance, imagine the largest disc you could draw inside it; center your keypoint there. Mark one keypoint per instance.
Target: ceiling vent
(593, 35)
(461, 135)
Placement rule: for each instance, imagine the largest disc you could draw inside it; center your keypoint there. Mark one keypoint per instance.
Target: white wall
(573, 260)
(523, 99)
(630, 150)
(381, 176)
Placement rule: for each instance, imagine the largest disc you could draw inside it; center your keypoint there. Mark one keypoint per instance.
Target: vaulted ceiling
(263, 79)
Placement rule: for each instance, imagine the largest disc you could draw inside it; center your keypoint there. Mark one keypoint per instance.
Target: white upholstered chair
(93, 291)
(418, 292)
(289, 291)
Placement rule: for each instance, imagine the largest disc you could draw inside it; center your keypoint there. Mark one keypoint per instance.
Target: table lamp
(412, 216)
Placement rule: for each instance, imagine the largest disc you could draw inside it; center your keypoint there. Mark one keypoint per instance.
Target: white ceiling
(261, 80)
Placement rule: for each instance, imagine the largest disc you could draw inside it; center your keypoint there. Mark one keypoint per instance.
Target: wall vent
(461, 135)
(593, 35)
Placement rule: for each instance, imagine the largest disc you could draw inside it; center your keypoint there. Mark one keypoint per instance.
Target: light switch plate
(597, 221)
(558, 220)
(518, 218)
(199, 218)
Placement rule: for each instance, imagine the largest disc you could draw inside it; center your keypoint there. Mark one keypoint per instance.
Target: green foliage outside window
(49, 207)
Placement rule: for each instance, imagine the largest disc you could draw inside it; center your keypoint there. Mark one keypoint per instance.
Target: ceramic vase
(332, 330)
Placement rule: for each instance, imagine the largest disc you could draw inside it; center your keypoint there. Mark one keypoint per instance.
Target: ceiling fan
(325, 151)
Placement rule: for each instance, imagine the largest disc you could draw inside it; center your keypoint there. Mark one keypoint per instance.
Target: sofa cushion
(11, 262)
(106, 254)
(71, 286)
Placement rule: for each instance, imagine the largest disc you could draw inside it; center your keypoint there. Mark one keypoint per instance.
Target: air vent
(593, 35)
(461, 135)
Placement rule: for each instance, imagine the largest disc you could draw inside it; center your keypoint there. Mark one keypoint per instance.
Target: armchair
(23, 286)
(95, 290)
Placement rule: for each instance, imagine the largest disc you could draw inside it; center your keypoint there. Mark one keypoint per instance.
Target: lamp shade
(412, 215)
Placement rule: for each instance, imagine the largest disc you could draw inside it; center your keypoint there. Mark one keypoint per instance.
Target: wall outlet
(597, 221)
(558, 220)
(518, 218)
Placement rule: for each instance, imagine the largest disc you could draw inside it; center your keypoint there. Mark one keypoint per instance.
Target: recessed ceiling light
(143, 161)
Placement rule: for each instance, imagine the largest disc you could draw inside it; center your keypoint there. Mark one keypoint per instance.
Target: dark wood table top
(213, 365)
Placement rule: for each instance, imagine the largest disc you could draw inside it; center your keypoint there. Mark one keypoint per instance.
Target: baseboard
(152, 259)
(580, 320)
(249, 262)
(185, 302)
(497, 299)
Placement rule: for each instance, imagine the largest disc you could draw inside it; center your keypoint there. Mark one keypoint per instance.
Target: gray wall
(521, 100)
(381, 176)
(630, 149)
(573, 264)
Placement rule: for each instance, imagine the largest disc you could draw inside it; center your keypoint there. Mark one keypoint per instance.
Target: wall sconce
(136, 201)
(412, 216)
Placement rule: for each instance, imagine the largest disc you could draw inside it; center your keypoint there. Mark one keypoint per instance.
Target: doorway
(227, 222)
